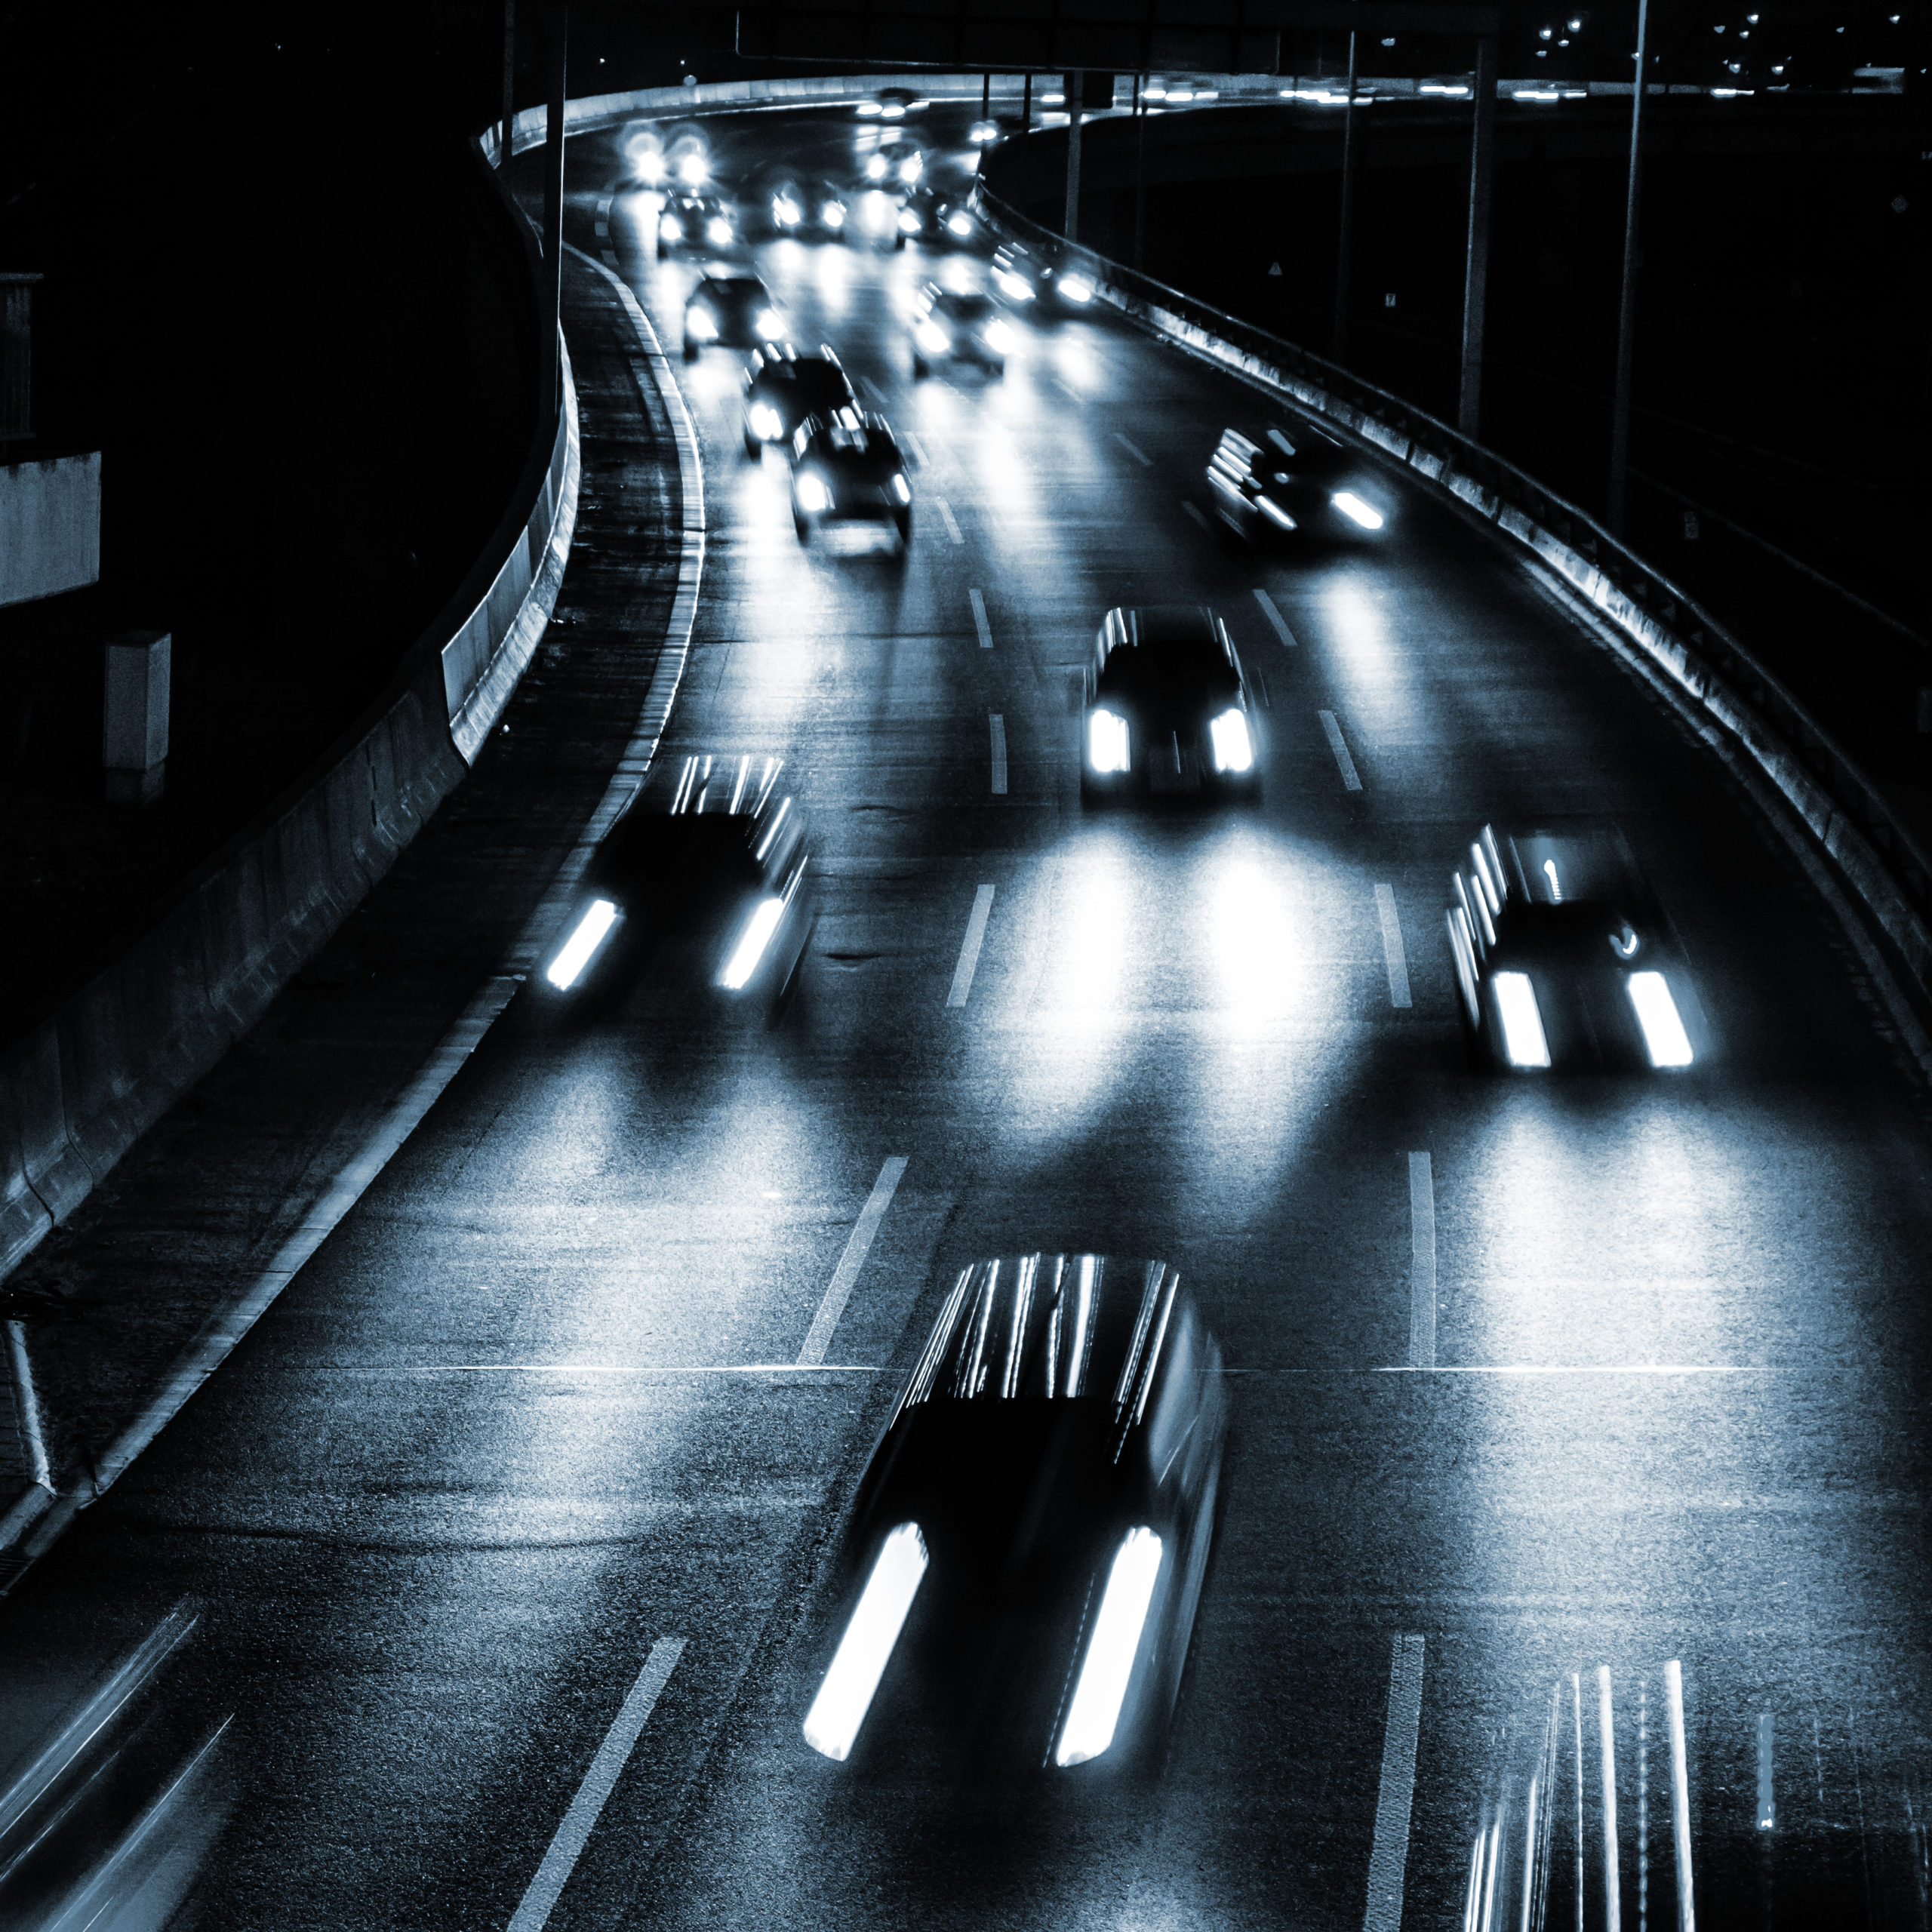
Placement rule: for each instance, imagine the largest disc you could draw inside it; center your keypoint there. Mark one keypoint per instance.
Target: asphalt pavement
(508, 1526)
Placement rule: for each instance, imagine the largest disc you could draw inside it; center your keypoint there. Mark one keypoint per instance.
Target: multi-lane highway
(509, 1525)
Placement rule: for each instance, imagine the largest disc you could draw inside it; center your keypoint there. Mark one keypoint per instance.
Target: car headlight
(908, 223)
(900, 488)
(931, 337)
(1106, 741)
(1352, 507)
(1664, 1036)
(765, 422)
(743, 962)
(981, 132)
(1016, 287)
(770, 323)
(813, 497)
(718, 231)
(875, 167)
(1234, 750)
(671, 228)
(1274, 512)
(912, 167)
(574, 954)
(785, 211)
(1102, 1688)
(960, 223)
(1523, 1040)
(701, 325)
(1075, 288)
(692, 170)
(833, 214)
(831, 1725)
(998, 336)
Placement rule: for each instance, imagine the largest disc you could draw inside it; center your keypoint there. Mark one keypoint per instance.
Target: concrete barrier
(102, 1062)
(49, 526)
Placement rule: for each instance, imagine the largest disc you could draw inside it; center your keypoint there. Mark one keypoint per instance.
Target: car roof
(1175, 632)
(860, 431)
(726, 279)
(775, 353)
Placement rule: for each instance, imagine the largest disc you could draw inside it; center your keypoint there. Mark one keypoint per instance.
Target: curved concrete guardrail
(1877, 855)
(96, 1068)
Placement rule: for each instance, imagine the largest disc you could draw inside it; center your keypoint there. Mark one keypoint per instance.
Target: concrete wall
(85, 1077)
(49, 526)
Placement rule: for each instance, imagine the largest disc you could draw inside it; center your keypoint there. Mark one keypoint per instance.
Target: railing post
(1626, 310)
(1340, 341)
(1475, 273)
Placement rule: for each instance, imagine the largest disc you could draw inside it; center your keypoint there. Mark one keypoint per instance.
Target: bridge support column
(1339, 348)
(510, 81)
(558, 51)
(1071, 227)
(1626, 311)
(1476, 274)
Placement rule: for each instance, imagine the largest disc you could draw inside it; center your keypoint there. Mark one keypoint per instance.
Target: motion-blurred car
(1166, 708)
(951, 325)
(1563, 956)
(1307, 482)
(847, 468)
(1027, 1548)
(694, 224)
(705, 875)
(808, 211)
(782, 389)
(1023, 279)
(729, 311)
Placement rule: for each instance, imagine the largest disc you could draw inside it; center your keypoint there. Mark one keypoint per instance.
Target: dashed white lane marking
(1392, 953)
(1388, 1861)
(1067, 390)
(969, 947)
(1134, 449)
(1275, 618)
(1346, 765)
(818, 1338)
(1194, 511)
(598, 1782)
(917, 448)
(980, 623)
(946, 517)
(1422, 1262)
(1680, 1793)
(997, 725)
(1613, 1888)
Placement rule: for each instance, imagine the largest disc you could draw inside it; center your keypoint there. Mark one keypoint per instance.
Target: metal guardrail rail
(1709, 661)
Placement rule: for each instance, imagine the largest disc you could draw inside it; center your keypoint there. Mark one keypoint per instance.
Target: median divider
(1876, 854)
(103, 1060)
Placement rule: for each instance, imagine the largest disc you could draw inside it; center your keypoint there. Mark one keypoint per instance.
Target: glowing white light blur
(1016, 286)
(813, 496)
(718, 231)
(1664, 1036)
(833, 214)
(831, 1724)
(983, 132)
(999, 336)
(1102, 1689)
(909, 222)
(766, 421)
(770, 323)
(750, 949)
(1274, 512)
(867, 108)
(649, 167)
(960, 223)
(892, 111)
(1106, 742)
(901, 489)
(1234, 749)
(701, 325)
(912, 167)
(1075, 288)
(1352, 507)
(786, 212)
(671, 228)
(563, 971)
(693, 169)
(1522, 1024)
(932, 338)
(875, 167)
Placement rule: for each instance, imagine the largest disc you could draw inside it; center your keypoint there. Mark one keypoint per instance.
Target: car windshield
(805, 387)
(860, 452)
(1170, 667)
(735, 292)
(965, 308)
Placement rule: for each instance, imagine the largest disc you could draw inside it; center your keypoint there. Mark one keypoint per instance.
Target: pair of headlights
(1229, 743)
(1525, 1045)
(815, 496)
(587, 936)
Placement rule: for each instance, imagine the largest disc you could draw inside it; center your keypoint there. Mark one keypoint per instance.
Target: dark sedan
(955, 326)
(846, 467)
(706, 871)
(697, 223)
(1030, 280)
(1027, 1548)
(730, 311)
(1166, 707)
(1564, 957)
(1304, 480)
(784, 389)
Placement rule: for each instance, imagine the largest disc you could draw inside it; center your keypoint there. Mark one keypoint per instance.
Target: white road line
(1194, 511)
(980, 623)
(1332, 733)
(1134, 449)
(1388, 1861)
(913, 444)
(1392, 954)
(1680, 1796)
(818, 1338)
(611, 1368)
(873, 389)
(1067, 390)
(1275, 618)
(1422, 1262)
(26, 1400)
(1577, 1368)
(997, 726)
(1767, 1806)
(946, 517)
(1613, 1889)
(598, 1782)
(969, 947)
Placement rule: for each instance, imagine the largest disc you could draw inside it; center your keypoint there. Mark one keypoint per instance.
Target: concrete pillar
(1339, 351)
(509, 80)
(1626, 310)
(1026, 104)
(1139, 172)
(133, 731)
(553, 196)
(1071, 227)
(1475, 272)
(17, 358)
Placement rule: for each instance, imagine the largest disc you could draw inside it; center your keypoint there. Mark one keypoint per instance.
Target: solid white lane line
(1613, 1890)
(1194, 511)
(980, 623)
(26, 1405)
(946, 517)
(1768, 1807)
(997, 726)
(1422, 1262)
(1134, 449)
(1568, 1368)
(818, 1338)
(969, 947)
(873, 389)
(612, 1368)
(598, 1782)
(1680, 1796)
(1392, 954)
(1275, 618)
(917, 448)
(1332, 733)
(1388, 1861)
